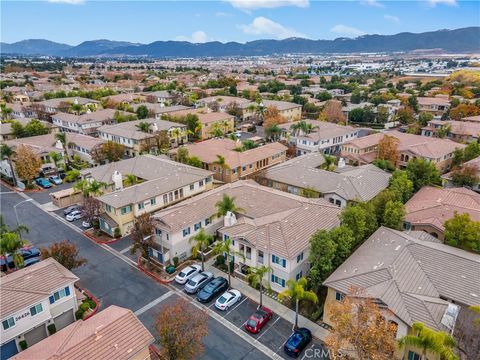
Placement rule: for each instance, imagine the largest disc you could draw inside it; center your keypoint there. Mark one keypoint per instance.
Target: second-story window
(37, 309)
(141, 206)
(279, 261)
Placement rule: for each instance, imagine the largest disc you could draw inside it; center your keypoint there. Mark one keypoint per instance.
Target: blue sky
(74, 21)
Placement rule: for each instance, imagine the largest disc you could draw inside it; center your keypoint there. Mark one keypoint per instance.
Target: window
(413, 356)
(208, 221)
(244, 168)
(207, 180)
(338, 296)
(192, 187)
(299, 275)
(300, 257)
(59, 294)
(37, 309)
(165, 199)
(260, 257)
(279, 261)
(197, 226)
(141, 206)
(126, 209)
(108, 208)
(186, 231)
(7, 324)
(278, 280)
(249, 252)
(200, 183)
(158, 232)
(153, 201)
(170, 197)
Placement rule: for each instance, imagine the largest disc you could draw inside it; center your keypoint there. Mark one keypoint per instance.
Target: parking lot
(273, 335)
(42, 196)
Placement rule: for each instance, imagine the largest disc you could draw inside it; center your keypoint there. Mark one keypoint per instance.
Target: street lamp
(16, 215)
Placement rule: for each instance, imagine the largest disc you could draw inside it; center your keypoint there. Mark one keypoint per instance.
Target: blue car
(297, 342)
(44, 183)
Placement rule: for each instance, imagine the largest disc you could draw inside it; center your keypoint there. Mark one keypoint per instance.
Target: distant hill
(459, 40)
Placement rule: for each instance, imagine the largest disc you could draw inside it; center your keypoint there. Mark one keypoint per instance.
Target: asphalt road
(114, 281)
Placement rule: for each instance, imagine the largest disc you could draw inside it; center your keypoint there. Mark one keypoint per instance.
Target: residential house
(240, 164)
(411, 280)
(459, 131)
(137, 141)
(224, 102)
(53, 106)
(475, 165)
(6, 132)
(210, 121)
(113, 333)
(160, 182)
(273, 230)
(33, 299)
(436, 106)
(430, 207)
(410, 146)
(127, 98)
(159, 109)
(340, 187)
(162, 97)
(87, 123)
(290, 111)
(325, 137)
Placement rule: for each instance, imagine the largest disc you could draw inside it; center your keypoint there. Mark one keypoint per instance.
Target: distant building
(289, 110)
(459, 131)
(436, 106)
(86, 124)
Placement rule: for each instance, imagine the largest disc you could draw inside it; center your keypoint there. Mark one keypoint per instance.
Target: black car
(6, 262)
(28, 253)
(297, 342)
(213, 288)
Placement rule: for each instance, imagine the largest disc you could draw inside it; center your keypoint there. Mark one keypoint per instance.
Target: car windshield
(295, 340)
(222, 299)
(192, 282)
(252, 323)
(182, 274)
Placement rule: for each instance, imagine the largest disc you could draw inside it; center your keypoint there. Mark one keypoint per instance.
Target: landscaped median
(89, 306)
(99, 238)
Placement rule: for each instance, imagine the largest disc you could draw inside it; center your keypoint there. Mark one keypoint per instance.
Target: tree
(11, 243)
(436, 342)
(225, 247)
(332, 112)
(65, 252)
(201, 240)
(297, 292)
(424, 118)
(8, 153)
(388, 149)
(195, 161)
(72, 175)
(109, 150)
(217, 130)
(181, 328)
(89, 187)
(273, 132)
(462, 232)
(393, 214)
(401, 185)
(27, 163)
(143, 126)
(256, 277)
(273, 117)
(62, 137)
(329, 163)
(55, 157)
(227, 204)
(91, 209)
(222, 163)
(130, 180)
(182, 155)
(142, 112)
(466, 176)
(142, 236)
(405, 115)
(35, 128)
(413, 103)
(464, 110)
(471, 151)
(422, 173)
(360, 328)
(361, 219)
(194, 125)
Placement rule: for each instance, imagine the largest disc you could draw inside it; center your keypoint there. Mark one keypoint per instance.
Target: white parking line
(238, 304)
(305, 354)
(153, 303)
(271, 325)
(125, 250)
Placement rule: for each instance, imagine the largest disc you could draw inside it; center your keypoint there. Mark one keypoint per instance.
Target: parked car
(70, 209)
(228, 299)
(197, 282)
(55, 180)
(44, 183)
(258, 320)
(31, 261)
(297, 342)
(86, 224)
(212, 289)
(187, 273)
(74, 215)
(28, 253)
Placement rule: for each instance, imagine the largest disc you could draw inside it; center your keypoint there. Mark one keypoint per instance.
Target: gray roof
(360, 183)
(130, 130)
(411, 276)
(323, 130)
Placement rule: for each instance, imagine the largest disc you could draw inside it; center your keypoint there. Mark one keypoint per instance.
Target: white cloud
(196, 37)
(70, 2)
(266, 4)
(347, 30)
(434, 3)
(373, 3)
(392, 18)
(222, 14)
(263, 26)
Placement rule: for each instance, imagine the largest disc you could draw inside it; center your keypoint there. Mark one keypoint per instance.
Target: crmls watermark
(321, 353)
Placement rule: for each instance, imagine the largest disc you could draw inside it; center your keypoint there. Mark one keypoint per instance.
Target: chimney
(58, 145)
(229, 219)
(341, 163)
(154, 127)
(75, 101)
(117, 180)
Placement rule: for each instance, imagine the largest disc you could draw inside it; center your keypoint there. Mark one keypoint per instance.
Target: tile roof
(130, 130)
(113, 333)
(433, 206)
(357, 184)
(95, 116)
(433, 101)
(411, 276)
(283, 221)
(324, 130)
(31, 285)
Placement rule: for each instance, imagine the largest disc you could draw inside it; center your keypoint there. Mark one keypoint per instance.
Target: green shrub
(117, 233)
(52, 329)
(23, 344)
(92, 303)
(175, 261)
(85, 306)
(220, 260)
(316, 315)
(79, 314)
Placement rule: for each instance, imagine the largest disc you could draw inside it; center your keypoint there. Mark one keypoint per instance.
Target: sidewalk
(283, 311)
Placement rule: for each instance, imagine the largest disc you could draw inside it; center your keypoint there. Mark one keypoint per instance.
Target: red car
(258, 320)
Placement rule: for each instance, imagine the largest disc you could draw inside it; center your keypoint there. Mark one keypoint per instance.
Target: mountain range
(449, 41)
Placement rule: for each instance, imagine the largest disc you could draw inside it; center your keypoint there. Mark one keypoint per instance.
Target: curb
(91, 237)
(97, 302)
(152, 275)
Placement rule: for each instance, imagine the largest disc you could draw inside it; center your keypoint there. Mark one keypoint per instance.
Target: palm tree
(95, 187)
(225, 124)
(88, 187)
(62, 137)
(227, 204)
(6, 111)
(176, 132)
(5, 229)
(217, 130)
(295, 128)
(143, 126)
(225, 247)
(8, 153)
(130, 180)
(260, 111)
(11, 243)
(55, 157)
(223, 165)
(296, 292)
(437, 342)
(308, 128)
(256, 277)
(72, 175)
(201, 240)
(273, 132)
(329, 163)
